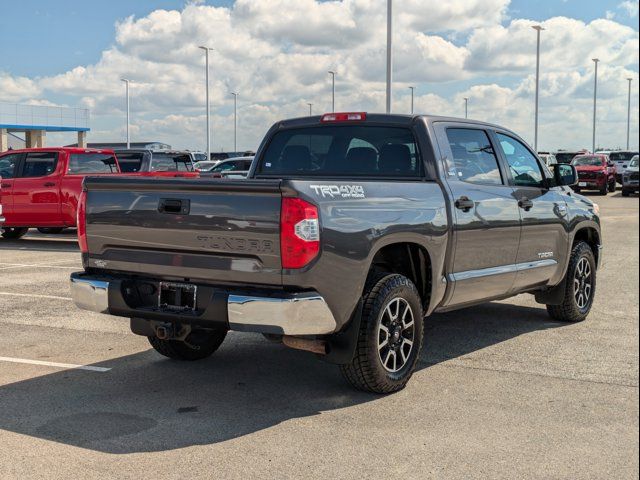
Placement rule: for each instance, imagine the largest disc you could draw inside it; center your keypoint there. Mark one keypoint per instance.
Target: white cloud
(630, 7)
(276, 53)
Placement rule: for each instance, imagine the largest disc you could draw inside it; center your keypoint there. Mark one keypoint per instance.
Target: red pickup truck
(595, 172)
(40, 187)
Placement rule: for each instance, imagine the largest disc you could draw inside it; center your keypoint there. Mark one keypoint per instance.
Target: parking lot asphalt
(502, 391)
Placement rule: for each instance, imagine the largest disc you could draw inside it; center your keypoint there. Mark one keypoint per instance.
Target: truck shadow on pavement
(146, 403)
(41, 245)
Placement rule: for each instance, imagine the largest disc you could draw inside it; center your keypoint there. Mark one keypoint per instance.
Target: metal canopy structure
(35, 120)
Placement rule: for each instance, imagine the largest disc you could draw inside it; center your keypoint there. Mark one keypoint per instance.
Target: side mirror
(610, 164)
(565, 175)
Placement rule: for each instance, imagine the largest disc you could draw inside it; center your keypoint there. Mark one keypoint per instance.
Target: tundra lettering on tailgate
(235, 244)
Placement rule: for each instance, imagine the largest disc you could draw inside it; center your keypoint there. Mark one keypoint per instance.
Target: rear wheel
(197, 345)
(51, 230)
(13, 233)
(580, 286)
(390, 337)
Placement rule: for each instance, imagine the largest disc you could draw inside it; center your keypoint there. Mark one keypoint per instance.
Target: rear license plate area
(177, 296)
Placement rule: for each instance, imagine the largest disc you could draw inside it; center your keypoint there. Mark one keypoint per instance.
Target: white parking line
(67, 366)
(34, 295)
(37, 265)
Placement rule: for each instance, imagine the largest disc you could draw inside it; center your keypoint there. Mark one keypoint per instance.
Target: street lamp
(126, 82)
(206, 79)
(466, 107)
(629, 111)
(595, 96)
(412, 89)
(333, 90)
(538, 29)
(235, 120)
(310, 108)
(389, 51)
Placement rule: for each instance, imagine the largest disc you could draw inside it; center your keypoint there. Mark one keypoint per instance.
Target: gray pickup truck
(350, 229)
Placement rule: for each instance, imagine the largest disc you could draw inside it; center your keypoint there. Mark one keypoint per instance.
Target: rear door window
(86, 163)
(39, 164)
(342, 151)
(8, 165)
(473, 156)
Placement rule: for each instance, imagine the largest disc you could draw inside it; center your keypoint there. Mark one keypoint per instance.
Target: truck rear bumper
(304, 313)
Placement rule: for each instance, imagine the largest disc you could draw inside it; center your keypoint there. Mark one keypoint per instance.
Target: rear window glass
(92, 163)
(166, 162)
(130, 162)
(342, 151)
(621, 156)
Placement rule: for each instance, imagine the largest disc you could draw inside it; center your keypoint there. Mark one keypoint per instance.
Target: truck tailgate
(218, 231)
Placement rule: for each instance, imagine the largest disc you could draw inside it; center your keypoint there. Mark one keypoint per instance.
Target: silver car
(630, 178)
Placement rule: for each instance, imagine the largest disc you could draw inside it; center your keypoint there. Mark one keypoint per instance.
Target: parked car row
(40, 187)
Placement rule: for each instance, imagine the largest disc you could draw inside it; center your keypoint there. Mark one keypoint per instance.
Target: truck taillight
(299, 233)
(343, 117)
(81, 222)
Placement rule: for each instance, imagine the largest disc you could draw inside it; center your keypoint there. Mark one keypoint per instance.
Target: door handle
(50, 184)
(174, 206)
(465, 204)
(525, 204)
(5, 185)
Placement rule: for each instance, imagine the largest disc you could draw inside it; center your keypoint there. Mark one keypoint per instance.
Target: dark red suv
(595, 172)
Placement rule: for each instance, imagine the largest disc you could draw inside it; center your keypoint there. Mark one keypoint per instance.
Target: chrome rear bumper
(304, 313)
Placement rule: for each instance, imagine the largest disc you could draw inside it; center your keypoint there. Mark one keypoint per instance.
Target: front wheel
(580, 286)
(14, 233)
(199, 344)
(603, 190)
(390, 336)
(612, 187)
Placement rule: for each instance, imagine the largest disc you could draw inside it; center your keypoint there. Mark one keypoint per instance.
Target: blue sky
(65, 52)
(76, 31)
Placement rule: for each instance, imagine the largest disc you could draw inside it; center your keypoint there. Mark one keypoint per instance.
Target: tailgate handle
(174, 206)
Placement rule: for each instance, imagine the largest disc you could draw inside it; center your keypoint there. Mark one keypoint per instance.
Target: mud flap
(342, 345)
(552, 296)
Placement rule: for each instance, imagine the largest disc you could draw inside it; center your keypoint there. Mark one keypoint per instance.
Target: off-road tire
(198, 345)
(366, 371)
(14, 233)
(604, 190)
(569, 311)
(612, 187)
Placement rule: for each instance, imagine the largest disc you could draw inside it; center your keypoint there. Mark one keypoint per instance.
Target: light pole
(595, 96)
(235, 121)
(333, 90)
(206, 80)
(310, 108)
(538, 29)
(412, 89)
(629, 111)
(466, 107)
(389, 52)
(126, 82)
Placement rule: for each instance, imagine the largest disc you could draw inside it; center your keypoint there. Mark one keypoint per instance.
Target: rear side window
(39, 164)
(84, 163)
(473, 155)
(165, 162)
(8, 164)
(130, 162)
(342, 151)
